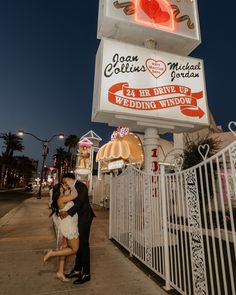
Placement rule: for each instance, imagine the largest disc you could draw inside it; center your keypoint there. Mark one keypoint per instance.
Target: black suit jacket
(81, 204)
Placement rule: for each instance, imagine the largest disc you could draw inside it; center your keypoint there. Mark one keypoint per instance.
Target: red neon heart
(162, 17)
(156, 67)
(150, 7)
(153, 10)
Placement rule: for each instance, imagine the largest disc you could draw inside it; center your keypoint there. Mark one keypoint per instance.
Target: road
(10, 199)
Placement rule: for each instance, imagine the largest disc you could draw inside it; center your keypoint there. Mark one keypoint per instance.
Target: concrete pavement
(27, 232)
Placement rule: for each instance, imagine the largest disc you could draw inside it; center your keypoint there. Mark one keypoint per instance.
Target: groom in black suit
(85, 213)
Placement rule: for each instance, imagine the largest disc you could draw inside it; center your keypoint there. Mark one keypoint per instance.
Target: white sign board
(116, 165)
(138, 87)
(173, 24)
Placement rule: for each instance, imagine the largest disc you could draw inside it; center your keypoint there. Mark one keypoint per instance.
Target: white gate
(181, 225)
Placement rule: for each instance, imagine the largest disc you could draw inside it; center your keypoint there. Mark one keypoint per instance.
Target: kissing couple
(73, 215)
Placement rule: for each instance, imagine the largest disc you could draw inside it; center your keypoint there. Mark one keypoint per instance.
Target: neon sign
(173, 24)
(159, 14)
(155, 13)
(120, 132)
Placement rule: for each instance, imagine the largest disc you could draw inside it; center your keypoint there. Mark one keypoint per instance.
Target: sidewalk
(26, 233)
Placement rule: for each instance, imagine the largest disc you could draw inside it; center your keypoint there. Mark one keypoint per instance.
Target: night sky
(47, 60)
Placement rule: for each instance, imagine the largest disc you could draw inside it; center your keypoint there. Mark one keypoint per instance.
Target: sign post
(151, 91)
(151, 137)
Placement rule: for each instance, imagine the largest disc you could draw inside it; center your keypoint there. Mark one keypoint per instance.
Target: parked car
(29, 187)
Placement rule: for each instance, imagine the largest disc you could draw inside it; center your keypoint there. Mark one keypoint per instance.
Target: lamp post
(45, 144)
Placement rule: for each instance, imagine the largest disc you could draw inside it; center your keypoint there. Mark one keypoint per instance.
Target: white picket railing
(181, 225)
(101, 191)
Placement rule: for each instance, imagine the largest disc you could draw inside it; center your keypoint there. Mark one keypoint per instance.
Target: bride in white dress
(67, 228)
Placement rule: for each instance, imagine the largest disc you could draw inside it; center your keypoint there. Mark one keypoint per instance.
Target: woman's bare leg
(74, 244)
(72, 248)
(62, 259)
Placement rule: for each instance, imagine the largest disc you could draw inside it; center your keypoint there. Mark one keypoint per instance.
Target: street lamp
(45, 144)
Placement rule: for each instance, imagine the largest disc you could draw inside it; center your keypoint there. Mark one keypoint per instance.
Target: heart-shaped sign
(179, 163)
(232, 127)
(162, 17)
(204, 150)
(156, 67)
(150, 7)
(153, 10)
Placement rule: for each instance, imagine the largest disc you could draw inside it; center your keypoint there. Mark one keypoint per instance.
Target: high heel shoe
(47, 256)
(61, 277)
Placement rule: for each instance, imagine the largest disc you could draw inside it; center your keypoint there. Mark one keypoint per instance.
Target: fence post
(165, 228)
(196, 240)
(111, 199)
(131, 181)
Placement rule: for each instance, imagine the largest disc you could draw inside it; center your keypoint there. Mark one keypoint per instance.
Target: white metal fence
(181, 225)
(101, 191)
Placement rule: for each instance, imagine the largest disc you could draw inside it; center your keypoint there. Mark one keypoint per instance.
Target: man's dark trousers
(82, 262)
(85, 216)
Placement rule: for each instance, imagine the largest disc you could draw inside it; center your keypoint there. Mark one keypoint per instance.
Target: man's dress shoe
(74, 274)
(82, 280)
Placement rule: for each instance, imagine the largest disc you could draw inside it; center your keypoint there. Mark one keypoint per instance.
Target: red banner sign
(139, 98)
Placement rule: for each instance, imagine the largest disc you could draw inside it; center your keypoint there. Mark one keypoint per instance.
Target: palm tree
(22, 169)
(12, 143)
(71, 142)
(191, 155)
(62, 159)
(1, 165)
(26, 167)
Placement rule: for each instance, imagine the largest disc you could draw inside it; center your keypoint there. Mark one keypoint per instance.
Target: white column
(151, 142)
(151, 137)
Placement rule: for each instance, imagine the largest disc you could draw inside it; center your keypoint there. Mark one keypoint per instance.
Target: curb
(10, 190)
(4, 220)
